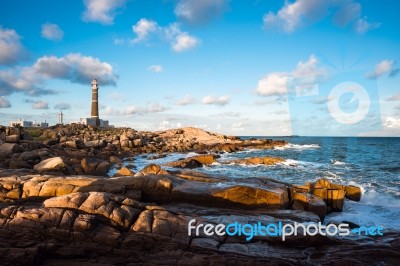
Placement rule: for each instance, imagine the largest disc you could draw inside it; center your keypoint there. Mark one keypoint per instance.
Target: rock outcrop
(97, 220)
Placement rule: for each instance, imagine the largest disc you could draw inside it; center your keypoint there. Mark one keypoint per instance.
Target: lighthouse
(95, 102)
(94, 119)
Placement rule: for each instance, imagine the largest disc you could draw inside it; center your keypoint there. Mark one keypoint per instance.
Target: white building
(92, 122)
(27, 124)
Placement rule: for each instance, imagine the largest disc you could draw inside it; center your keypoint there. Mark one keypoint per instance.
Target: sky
(238, 67)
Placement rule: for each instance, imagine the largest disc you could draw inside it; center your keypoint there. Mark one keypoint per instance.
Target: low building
(92, 122)
(27, 124)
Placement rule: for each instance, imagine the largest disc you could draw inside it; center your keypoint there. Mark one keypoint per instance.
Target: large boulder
(95, 166)
(308, 202)
(98, 144)
(29, 156)
(123, 171)
(119, 210)
(18, 164)
(353, 193)
(193, 162)
(152, 169)
(55, 164)
(11, 147)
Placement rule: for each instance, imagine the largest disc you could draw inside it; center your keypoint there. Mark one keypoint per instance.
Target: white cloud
(382, 68)
(40, 105)
(11, 49)
(52, 32)
(221, 101)
(143, 28)
(75, 68)
(179, 40)
(295, 14)
(291, 15)
(392, 122)
(25, 81)
(362, 25)
(305, 75)
(395, 97)
(62, 106)
(194, 11)
(151, 108)
(184, 42)
(102, 11)
(273, 84)
(155, 68)
(186, 100)
(4, 103)
(239, 126)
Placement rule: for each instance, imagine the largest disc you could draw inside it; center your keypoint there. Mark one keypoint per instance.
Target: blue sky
(236, 67)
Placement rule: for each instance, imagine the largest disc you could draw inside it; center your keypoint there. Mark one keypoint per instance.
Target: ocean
(371, 163)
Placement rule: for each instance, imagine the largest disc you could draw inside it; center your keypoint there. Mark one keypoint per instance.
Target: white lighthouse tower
(60, 118)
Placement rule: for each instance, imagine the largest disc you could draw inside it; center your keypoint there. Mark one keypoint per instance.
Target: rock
(353, 193)
(124, 172)
(332, 194)
(74, 144)
(259, 160)
(185, 163)
(193, 162)
(309, 202)
(29, 156)
(152, 169)
(102, 168)
(55, 164)
(18, 164)
(50, 142)
(250, 195)
(137, 142)
(204, 159)
(12, 139)
(89, 165)
(11, 147)
(97, 144)
(115, 159)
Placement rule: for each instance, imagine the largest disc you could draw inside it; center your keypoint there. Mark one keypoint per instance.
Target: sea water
(371, 163)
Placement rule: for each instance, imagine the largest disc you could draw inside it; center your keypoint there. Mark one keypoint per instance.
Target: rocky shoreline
(58, 203)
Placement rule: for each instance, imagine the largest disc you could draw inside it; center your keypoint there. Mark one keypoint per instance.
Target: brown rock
(124, 172)
(185, 163)
(115, 159)
(259, 160)
(89, 165)
(151, 169)
(308, 202)
(11, 147)
(55, 164)
(353, 193)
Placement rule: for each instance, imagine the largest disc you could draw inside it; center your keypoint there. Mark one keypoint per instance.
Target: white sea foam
(290, 162)
(298, 146)
(374, 209)
(335, 162)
